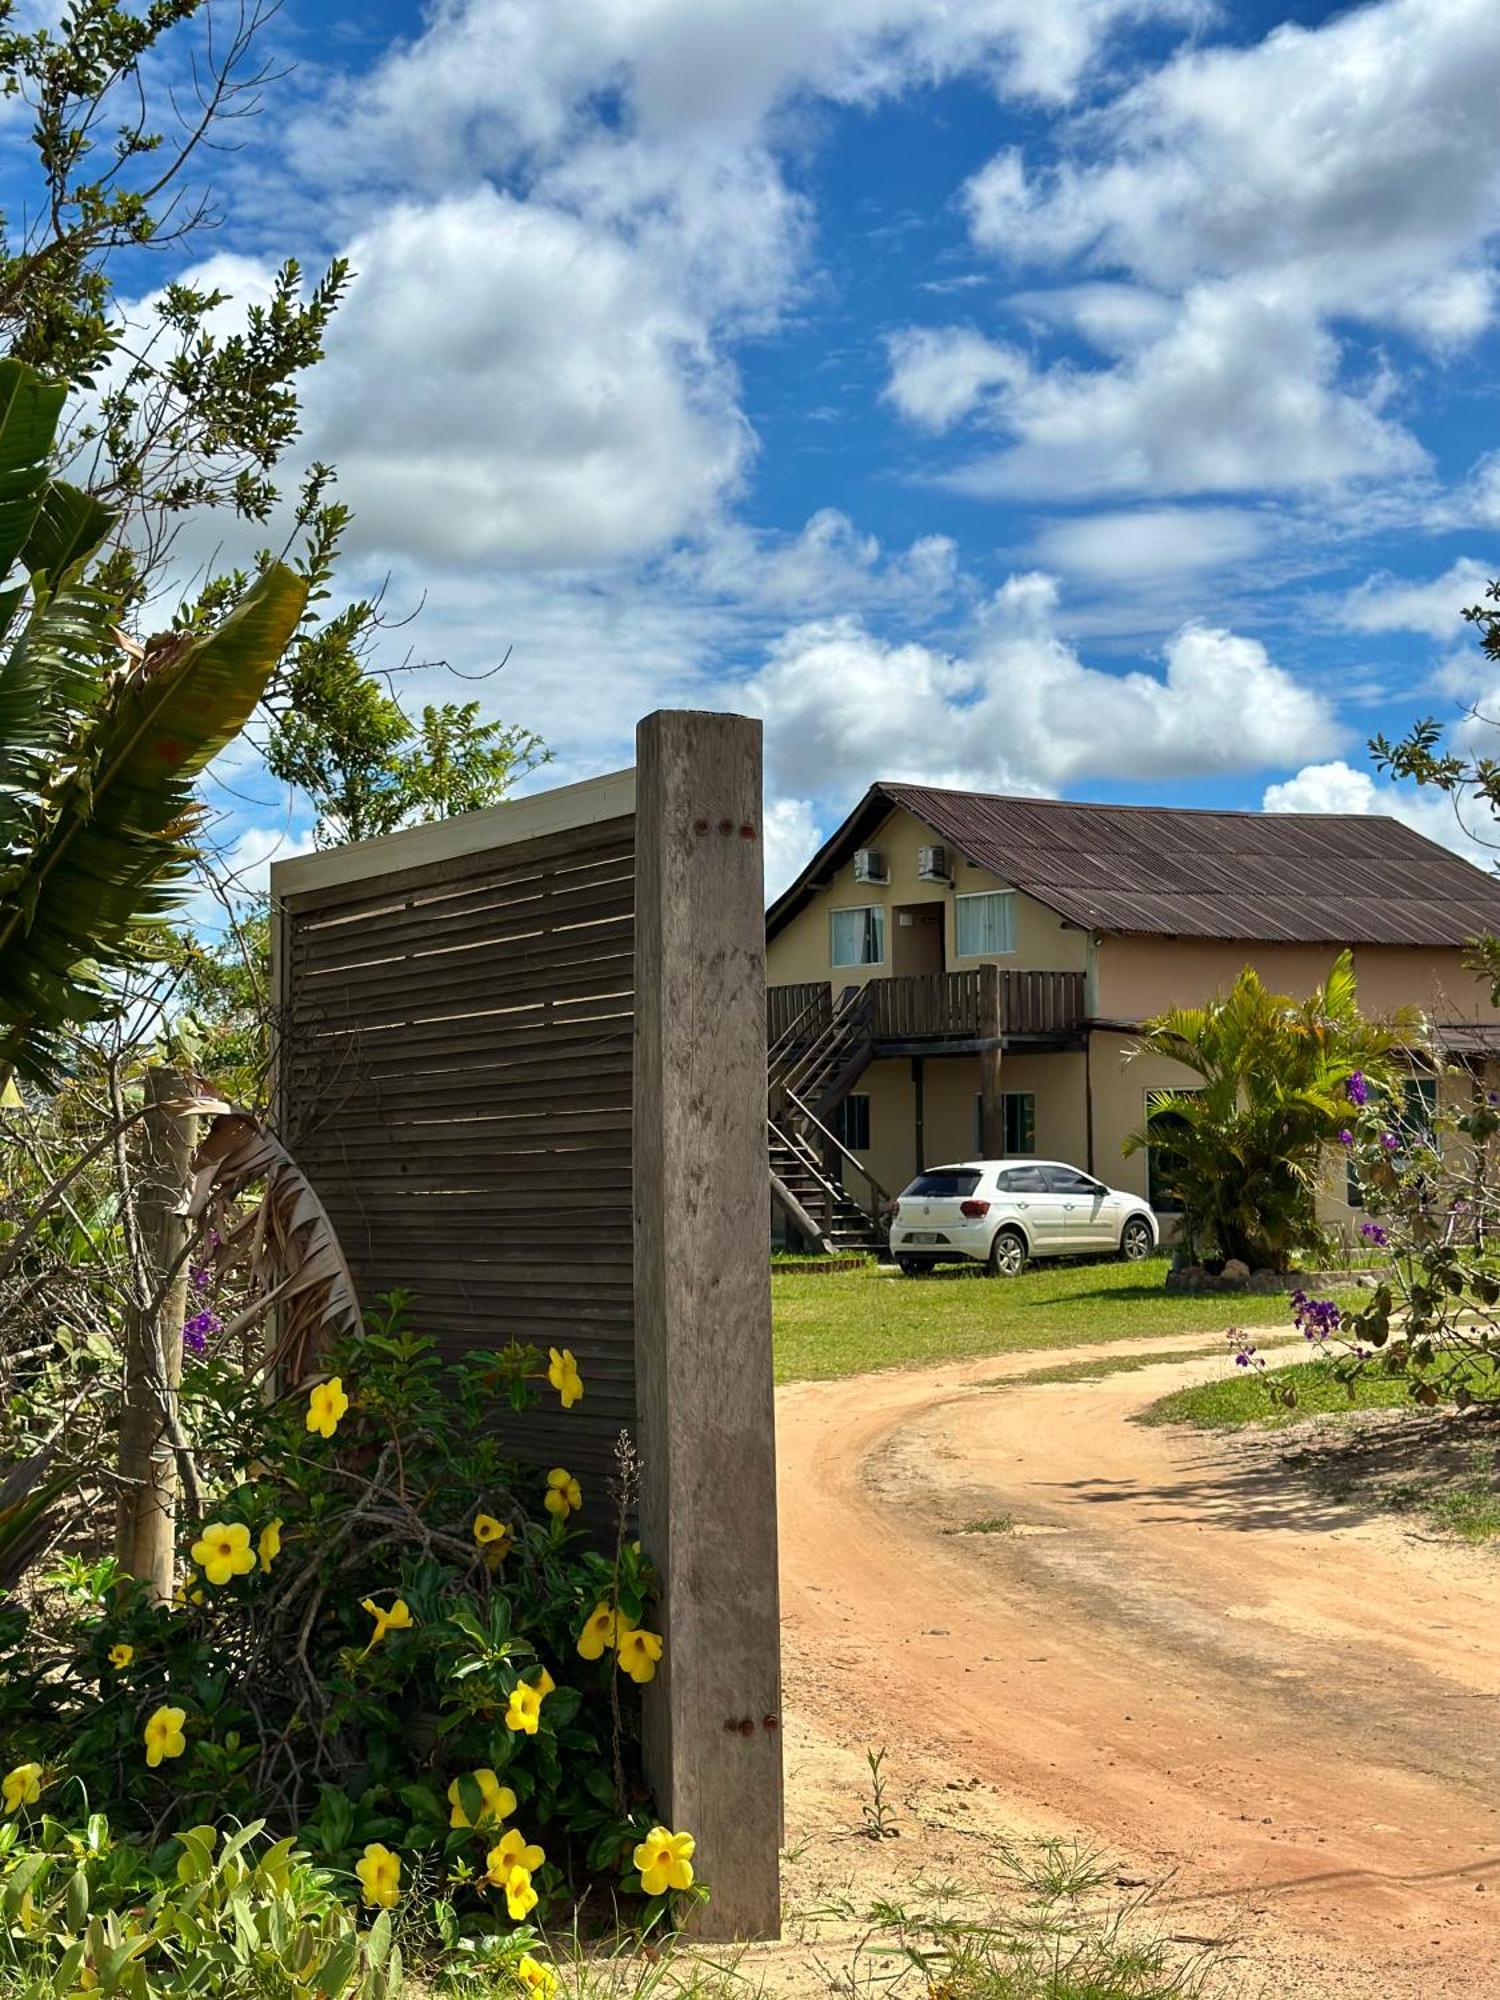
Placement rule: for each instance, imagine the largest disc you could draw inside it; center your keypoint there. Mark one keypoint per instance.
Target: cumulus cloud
(1242, 392)
(1436, 606)
(1019, 710)
(567, 410)
(1338, 787)
(1236, 209)
(791, 838)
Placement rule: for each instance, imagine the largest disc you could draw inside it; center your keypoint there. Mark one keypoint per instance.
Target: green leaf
(30, 407)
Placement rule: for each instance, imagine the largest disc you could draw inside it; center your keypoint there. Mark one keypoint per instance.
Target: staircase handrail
(881, 1195)
(850, 1011)
(788, 1035)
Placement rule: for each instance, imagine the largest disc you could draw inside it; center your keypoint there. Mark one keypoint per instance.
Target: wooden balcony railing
(950, 1006)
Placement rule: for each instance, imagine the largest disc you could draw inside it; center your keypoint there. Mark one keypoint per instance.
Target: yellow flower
(563, 1495)
(22, 1786)
(664, 1860)
(514, 1851)
(223, 1551)
(519, 1894)
(493, 1536)
(536, 1978)
(525, 1707)
(182, 1597)
(379, 1872)
(121, 1655)
(598, 1632)
(326, 1405)
(639, 1652)
(164, 1737)
(497, 1801)
(397, 1619)
(562, 1373)
(269, 1544)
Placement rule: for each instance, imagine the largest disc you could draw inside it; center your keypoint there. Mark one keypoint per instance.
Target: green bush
(80, 1915)
(391, 1643)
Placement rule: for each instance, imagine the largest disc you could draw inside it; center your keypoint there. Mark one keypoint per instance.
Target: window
(857, 936)
(1068, 1180)
(942, 1184)
(1415, 1123)
(1021, 1180)
(850, 1122)
(1020, 1121)
(986, 924)
(1161, 1165)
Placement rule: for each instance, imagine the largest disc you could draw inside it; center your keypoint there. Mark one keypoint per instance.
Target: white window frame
(856, 910)
(1008, 897)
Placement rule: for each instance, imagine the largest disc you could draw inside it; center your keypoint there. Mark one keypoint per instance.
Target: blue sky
(1093, 397)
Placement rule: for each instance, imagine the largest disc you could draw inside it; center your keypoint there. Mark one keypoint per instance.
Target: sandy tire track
(1292, 1711)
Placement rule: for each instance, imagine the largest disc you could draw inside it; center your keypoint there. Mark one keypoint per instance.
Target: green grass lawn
(851, 1321)
(1245, 1397)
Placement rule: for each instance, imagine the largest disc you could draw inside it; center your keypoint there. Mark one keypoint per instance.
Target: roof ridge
(889, 785)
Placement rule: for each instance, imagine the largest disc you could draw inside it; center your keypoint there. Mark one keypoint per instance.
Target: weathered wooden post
(991, 1095)
(706, 1423)
(146, 1520)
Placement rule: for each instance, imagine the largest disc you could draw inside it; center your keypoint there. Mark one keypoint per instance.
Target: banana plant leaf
(117, 843)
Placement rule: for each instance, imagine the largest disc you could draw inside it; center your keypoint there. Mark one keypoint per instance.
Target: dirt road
(1291, 1712)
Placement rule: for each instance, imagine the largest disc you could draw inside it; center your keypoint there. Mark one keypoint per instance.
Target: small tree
(1244, 1151)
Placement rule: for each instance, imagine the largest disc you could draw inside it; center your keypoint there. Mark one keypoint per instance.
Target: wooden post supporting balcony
(991, 1096)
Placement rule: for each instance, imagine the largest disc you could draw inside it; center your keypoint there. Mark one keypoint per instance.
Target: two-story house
(961, 975)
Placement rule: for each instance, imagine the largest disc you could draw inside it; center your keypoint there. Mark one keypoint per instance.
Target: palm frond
(288, 1246)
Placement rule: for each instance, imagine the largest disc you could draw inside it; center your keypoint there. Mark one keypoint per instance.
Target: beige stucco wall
(950, 1090)
(802, 951)
(1136, 977)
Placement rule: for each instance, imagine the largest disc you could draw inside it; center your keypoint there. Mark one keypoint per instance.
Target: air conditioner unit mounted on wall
(932, 864)
(869, 865)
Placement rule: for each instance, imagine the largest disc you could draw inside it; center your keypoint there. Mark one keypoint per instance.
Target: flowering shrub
(82, 1914)
(388, 1640)
(1432, 1208)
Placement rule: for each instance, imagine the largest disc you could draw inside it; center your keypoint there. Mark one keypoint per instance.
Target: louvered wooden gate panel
(455, 1076)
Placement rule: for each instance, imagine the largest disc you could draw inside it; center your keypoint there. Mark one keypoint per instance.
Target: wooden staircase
(811, 1068)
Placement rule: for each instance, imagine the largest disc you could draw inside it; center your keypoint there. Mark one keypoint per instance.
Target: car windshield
(942, 1183)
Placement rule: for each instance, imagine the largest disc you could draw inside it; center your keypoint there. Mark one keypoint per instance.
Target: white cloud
(941, 374)
(1019, 710)
(1339, 788)
(1237, 209)
(1133, 546)
(791, 838)
(1391, 604)
(1356, 162)
(1241, 393)
(566, 410)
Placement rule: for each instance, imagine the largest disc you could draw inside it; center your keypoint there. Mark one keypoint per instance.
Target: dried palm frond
(287, 1245)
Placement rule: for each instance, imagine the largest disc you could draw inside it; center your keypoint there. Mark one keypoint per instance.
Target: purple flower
(1355, 1088)
(1346, 1137)
(1373, 1233)
(202, 1278)
(1315, 1318)
(1390, 1142)
(196, 1330)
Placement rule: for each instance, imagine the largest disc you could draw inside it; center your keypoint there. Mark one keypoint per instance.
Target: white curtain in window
(986, 924)
(859, 936)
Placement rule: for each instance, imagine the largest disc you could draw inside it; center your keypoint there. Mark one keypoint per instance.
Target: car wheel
(912, 1267)
(1007, 1254)
(1135, 1240)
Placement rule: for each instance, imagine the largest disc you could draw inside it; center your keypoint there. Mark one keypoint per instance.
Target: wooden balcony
(952, 1010)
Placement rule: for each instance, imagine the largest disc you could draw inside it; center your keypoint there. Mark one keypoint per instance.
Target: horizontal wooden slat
(455, 1065)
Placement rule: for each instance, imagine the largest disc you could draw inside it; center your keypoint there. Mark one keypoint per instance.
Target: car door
(1085, 1221)
(1025, 1194)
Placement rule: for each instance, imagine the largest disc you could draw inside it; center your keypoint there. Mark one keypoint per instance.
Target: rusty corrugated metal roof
(1303, 878)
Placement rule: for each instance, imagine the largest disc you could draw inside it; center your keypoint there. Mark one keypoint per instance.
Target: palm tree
(100, 739)
(1243, 1150)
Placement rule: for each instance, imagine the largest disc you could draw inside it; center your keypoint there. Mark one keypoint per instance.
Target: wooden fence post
(146, 1518)
(703, 1306)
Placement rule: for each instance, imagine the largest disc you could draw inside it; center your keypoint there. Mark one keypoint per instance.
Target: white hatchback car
(1000, 1213)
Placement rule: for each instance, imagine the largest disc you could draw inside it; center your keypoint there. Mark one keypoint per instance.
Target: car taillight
(974, 1209)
